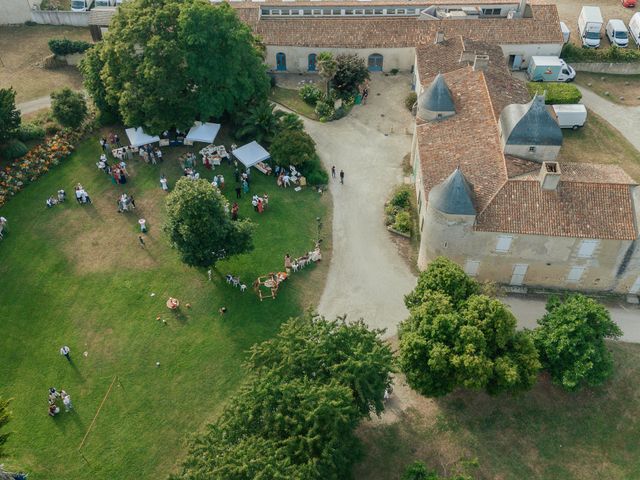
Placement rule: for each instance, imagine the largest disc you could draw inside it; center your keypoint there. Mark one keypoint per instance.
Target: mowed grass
(291, 99)
(23, 49)
(599, 142)
(623, 89)
(75, 275)
(543, 434)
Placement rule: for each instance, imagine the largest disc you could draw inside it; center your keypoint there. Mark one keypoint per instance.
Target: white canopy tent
(250, 154)
(203, 132)
(137, 137)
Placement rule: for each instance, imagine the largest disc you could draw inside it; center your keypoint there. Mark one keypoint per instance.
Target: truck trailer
(549, 69)
(570, 116)
(589, 26)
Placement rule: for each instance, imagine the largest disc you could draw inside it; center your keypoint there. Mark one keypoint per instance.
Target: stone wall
(631, 68)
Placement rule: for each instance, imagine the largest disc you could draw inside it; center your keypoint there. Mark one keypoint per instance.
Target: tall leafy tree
(199, 225)
(168, 62)
(325, 350)
(260, 122)
(327, 67)
(91, 67)
(443, 275)
(571, 341)
(292, 147)
(351, 72)
(9, 115)
(68, 107)
(475, 346)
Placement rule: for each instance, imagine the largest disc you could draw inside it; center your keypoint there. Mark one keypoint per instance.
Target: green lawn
(290, 99)
(75, 275)
(543, 434)
(626, 87)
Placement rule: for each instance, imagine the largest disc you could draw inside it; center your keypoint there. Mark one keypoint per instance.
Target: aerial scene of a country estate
(319, 240)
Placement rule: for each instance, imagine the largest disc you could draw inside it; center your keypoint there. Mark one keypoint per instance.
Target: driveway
(368, 277)
(34, 105)
(624, 119)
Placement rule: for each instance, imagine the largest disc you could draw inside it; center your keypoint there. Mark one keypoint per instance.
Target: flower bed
(35, 163)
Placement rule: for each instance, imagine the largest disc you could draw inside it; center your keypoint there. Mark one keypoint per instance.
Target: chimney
(439, 37)
(549, 175)
(481, 62)
(467, 56)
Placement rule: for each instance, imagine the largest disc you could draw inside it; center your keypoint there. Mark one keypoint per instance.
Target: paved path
(368, 277)
(529, 309)
(34, 105)
(625, 119)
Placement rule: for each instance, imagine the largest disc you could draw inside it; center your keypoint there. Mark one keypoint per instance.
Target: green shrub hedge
(30, 131)
(64, 46)
(555, 92)
(310, 94)
(14, 149)
(573, 53)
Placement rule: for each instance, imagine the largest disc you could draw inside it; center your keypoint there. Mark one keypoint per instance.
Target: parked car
(634, 28)
(81, 5)
(570, 116)
(549, 69)
(628, 3)
(589, 25)
(566, 33)
(617, 33)
(105, 3)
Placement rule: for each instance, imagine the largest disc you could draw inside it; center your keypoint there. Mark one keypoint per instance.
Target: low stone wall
(58, 17)
(631, 68)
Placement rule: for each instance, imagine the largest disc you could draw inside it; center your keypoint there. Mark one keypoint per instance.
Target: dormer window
(532, 149)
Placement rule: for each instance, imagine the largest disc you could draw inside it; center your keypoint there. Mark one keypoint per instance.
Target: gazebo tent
(250, 154)
(137, 137)
(203, 132)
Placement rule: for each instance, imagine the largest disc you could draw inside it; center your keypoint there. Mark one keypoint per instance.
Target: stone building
(492, 195)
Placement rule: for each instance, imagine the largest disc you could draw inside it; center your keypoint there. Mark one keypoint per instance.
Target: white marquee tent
(250, 154)
(203, 132)
(137, 137)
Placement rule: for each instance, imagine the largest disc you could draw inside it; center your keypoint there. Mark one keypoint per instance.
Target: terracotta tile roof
(519, 166)
(476, 150)
(587, 173)
(101, 16)
(582, 210)
(445, 57)
(391, 32)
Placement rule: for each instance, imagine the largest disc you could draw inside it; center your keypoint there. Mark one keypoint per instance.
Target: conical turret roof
(453, 196)
(530, 124)
(435, 98)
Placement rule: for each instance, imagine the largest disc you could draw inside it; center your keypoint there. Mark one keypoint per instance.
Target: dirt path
(368, 277)
(34, 105)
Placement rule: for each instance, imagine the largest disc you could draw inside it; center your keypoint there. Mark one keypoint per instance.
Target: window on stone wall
(587, 248)
(504, 243)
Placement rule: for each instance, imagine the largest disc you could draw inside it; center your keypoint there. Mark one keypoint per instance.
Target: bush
(401, 198)
(29, 131)
(292, 147)
(69, 107)
(64, 46)
(14, 149)
(556, 92)
(573, 53)
(403, 222)
(314, 172)
(310, 94)
(324, 111)
(410, 100)
(52, 128)
(394, 71)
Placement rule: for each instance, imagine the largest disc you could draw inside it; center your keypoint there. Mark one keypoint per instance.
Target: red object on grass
(628, 3)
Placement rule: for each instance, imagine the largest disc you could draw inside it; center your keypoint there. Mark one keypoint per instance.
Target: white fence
(60, 17)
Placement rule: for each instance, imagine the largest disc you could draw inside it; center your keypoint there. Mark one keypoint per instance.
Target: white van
(81, 5)
(634, 28)
(617, 33)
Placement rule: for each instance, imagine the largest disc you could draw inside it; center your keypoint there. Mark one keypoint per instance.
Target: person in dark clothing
(341, 176)
(238, 191)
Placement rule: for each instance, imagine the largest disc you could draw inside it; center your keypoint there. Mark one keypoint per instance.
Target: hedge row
(556, 92)
(573, 53)
(64, 46)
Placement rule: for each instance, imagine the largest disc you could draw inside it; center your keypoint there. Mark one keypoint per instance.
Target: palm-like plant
(260, 123)
(327, 67)
(291, 121)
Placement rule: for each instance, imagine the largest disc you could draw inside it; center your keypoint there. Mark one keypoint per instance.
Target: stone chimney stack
(549, 175)
(481, 62)
(439, 37)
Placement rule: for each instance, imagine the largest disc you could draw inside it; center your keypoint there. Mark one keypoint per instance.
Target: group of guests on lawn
(54, 397)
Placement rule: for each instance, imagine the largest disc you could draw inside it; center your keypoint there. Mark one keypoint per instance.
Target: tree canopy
(199, 225)
(571, 341)
(9, 115)
(471, 343)
(166, 63)
(351, 72)
(296, 416)
(292, 147)
(443, 275)
(68, 107)
(327, 67)
(260, 122)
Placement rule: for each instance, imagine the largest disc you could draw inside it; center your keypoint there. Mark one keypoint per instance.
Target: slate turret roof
(530, 124)
(454, 196)
(435, 98)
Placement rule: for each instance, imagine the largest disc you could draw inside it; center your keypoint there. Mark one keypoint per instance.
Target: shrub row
(556, 92)
(573, 53)
(64, 46)
(398, 210)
